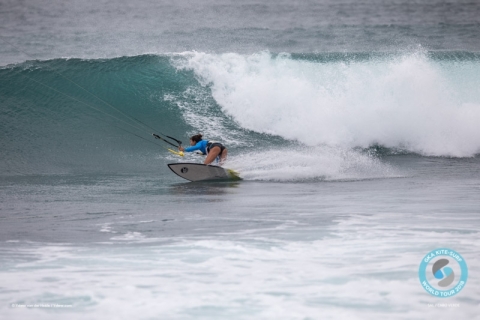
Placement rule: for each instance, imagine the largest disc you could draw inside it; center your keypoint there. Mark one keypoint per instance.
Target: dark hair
(196, 138)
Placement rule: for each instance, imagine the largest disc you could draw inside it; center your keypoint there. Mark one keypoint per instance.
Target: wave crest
(410, 102)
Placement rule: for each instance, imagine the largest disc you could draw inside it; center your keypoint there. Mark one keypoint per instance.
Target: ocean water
(354, 125)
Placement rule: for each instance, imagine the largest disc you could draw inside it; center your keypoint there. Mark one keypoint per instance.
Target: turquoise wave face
(68, 115)
(72, 115)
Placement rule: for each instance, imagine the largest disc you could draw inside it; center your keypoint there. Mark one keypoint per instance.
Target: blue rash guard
(201, 145)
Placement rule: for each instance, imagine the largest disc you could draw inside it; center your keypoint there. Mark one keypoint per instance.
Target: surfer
(213, 150)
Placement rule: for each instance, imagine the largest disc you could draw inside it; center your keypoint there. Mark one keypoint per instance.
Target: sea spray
(307, 164)
(407, 101)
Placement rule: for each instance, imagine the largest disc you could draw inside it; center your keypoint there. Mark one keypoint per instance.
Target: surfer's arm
(198, 146)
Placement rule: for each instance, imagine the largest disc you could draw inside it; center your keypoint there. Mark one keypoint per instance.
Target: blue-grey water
(354, 125)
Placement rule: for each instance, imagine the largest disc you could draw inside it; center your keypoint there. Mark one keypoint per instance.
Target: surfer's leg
(212, 155)
(223, 156)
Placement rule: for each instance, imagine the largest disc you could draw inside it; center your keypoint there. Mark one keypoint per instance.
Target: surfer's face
(192, 143)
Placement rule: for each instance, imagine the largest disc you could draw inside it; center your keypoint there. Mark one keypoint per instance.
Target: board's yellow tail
(234, 175)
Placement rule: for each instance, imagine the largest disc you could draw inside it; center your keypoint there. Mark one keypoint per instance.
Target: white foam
(106, 228)
(303, 164)
(198, 111)
(130, 236)
(361, 270)
(408, 102)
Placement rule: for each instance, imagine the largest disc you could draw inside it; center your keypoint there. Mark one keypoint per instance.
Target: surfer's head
(195, 139)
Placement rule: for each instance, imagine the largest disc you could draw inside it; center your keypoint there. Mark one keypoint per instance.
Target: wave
(290, 113)
(411, 102)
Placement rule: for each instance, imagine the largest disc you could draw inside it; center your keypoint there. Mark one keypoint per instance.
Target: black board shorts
(211, 145)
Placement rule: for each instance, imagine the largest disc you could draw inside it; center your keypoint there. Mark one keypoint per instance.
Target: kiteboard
(202, 172)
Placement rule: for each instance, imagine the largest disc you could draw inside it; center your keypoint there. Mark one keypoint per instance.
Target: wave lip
(410, 101)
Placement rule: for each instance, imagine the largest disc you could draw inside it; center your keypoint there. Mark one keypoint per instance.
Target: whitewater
(407, 102)
(354, 126)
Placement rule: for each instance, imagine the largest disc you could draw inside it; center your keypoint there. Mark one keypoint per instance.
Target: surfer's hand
(181, 148)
